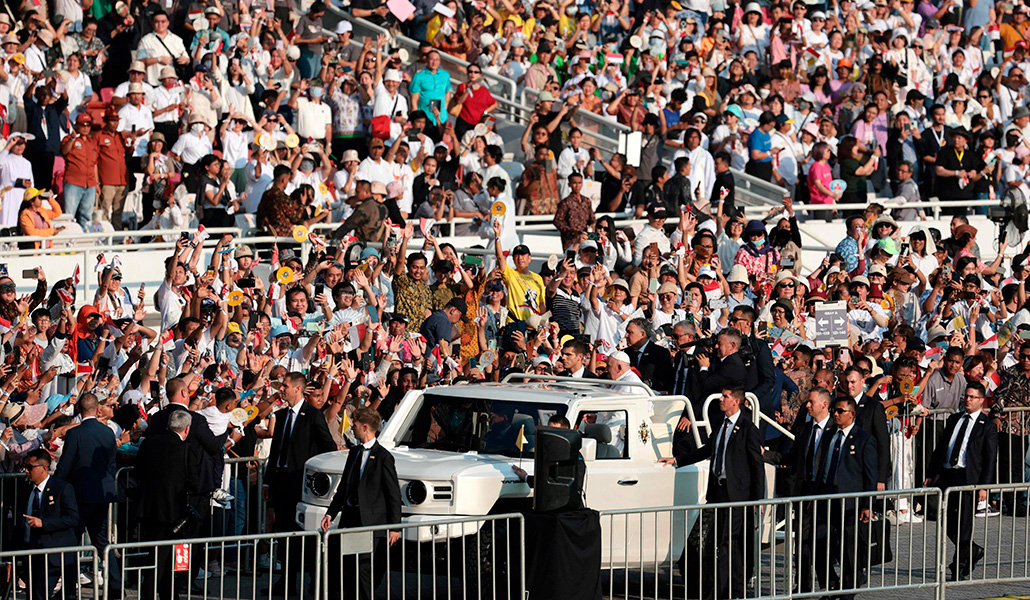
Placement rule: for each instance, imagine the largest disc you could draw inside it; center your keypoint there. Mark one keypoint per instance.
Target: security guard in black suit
(368, 494)
(966, 455)
(851, 466)
(301, 432)
(736, 474)
(49, 519)
(806, 462)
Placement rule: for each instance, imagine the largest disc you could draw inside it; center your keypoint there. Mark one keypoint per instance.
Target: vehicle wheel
(490, 557)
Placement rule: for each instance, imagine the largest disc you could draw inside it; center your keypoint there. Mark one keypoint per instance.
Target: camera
(998, 214)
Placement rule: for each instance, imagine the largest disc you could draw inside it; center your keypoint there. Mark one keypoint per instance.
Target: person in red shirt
(113, 172)
(80, 175)
(474, 101)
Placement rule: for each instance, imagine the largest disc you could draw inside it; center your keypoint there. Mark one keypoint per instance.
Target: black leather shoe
(978, 554)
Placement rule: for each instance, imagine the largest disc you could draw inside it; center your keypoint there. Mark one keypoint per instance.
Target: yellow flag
(522, 438)
(344, 423)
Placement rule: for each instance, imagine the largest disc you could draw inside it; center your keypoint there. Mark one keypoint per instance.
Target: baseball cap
(520, 249)
(84, 119)
(657, 211)
(459, 303)
(243, 252)
(588, 245)
(343, 27)
(234, 327)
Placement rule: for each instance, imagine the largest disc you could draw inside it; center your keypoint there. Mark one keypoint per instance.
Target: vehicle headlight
(319, 484)
(416, 492)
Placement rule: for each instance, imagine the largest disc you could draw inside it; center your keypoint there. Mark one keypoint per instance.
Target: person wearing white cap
(388, 99)
(137, 118)
(137, 74)
(619, 370)
(169, 102)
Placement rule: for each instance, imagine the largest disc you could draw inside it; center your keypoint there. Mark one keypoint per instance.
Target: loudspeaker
(558, 470)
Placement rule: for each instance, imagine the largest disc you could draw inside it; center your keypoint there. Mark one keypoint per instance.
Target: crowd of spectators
(143, 116)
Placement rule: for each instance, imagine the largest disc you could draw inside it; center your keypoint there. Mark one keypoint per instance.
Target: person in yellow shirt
(525, 289)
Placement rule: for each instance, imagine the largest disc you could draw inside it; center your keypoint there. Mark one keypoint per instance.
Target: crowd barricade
(258, 567)
(244, 514)
(471, 557)
(983, 550)
(776, 548)
(48, 573)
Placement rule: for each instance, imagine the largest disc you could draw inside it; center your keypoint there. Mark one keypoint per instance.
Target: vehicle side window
(608, 429)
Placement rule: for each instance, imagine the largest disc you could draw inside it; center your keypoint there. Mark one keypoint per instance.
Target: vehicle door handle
(627, 482)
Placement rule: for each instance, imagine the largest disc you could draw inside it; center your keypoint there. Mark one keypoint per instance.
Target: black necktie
(355, 477)
(956, 450)
(831, 471)
(812, 451)
(33, 512)
(720, 450)
(284, 447)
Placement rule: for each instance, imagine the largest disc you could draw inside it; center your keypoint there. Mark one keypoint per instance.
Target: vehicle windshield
(460, 424)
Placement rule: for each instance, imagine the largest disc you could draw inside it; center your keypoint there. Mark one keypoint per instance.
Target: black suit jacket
(209, 447)
(310, 437)
(856, 468)
(981, 451)
(872, 418)
(379, 492)
(166, 473)
(761, 381)
(88, 462)
(728, 372)
(655, 366)
(798, 458)
(745, 470)
(60, 515)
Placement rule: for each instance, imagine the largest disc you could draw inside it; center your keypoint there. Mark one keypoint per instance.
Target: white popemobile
(455, 448)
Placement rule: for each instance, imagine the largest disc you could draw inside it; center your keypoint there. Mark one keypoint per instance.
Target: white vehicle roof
(560, 392)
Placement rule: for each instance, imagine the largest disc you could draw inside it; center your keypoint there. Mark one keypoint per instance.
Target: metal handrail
(579, 380)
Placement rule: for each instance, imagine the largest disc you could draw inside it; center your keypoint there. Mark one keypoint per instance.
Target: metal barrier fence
(777, 548)
(474, 557)
(984, 551)
(40, 574)
(245, 514)
(279, 565)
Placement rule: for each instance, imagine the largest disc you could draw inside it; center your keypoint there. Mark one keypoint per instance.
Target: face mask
(197, 128)
(572, 10)
(681, 75)
(307, 165)
(759, 242)
(316, 92)
(764, 93)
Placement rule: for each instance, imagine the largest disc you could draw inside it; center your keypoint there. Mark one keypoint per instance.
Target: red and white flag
(75, 275)
(993, 338)
(168, 341)
(101, 263)
(5, 325)
(291, 326)
(202, 235)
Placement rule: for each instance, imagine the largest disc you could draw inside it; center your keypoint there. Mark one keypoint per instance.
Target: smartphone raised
(30, 273)
(245, 282)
